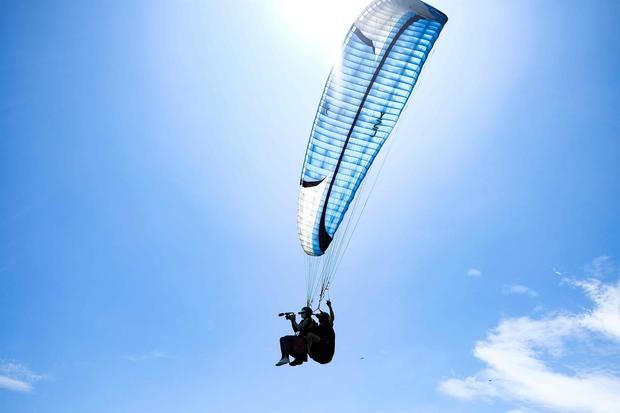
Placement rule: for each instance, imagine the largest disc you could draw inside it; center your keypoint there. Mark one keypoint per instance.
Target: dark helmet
(323, 317)
(306, 311)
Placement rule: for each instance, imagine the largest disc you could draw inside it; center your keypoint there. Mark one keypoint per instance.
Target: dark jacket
(323, 350)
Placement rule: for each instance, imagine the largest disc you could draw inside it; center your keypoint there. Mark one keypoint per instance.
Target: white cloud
(600, 267)
(17, 377)
(527, 360)
(520, 411)
(474, 272)
(14, 384)
(519, 290)
(605, 317)
(469, 388)
(151, 355)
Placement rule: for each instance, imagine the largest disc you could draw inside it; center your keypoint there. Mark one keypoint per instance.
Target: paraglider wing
(383, 54)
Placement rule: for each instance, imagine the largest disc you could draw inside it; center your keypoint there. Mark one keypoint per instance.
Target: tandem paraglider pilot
(295, 345)
(322, 339)
(319, 341)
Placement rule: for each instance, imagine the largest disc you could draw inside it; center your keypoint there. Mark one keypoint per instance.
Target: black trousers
(286, 347)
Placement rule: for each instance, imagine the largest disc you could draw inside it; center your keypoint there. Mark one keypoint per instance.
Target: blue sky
(149, 162)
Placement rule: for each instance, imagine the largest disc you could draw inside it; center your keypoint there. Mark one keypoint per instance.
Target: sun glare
(321, 22)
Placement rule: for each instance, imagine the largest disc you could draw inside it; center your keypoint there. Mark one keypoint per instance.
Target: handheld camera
(287, 315)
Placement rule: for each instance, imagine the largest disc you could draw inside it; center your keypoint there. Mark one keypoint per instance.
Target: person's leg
(298, 350)
(297, 362)
(311, 338)
(285, 348)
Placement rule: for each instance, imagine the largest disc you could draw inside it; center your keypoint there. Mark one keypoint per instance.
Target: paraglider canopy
(368, 87)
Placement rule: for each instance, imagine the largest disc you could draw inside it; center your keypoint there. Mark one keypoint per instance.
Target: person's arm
(304, 325)
(331, 311)
(294, 323)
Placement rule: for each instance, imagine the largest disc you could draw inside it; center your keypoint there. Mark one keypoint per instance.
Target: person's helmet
(307, 311)
(323, 316)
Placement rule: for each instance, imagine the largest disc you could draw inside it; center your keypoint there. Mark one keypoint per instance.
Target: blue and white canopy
(365, 93)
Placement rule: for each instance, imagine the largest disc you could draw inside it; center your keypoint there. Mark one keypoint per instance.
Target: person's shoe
(296, 362)
(283, 361)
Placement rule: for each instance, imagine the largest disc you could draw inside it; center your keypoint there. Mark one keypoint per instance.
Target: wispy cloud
(17, 377)
(8, 383)
(519, 290)
(527, 359)
(605, 317)
(520, 411)
(600, 267)
(151, 355)
(474, 272)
